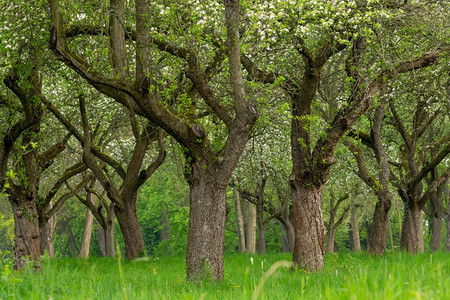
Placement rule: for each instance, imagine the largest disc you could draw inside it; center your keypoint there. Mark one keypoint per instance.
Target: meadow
(346, 276)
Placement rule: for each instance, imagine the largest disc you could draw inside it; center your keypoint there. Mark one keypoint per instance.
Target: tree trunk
(101, 240)
(308, 223)
(86, 240)
(437, 212)
(26, 229)
(287, 234)
(204, 259)
(410, 239)
(46, 239)
(356, 243)
(261, 243)
(378, 239)
(71, 239)
(330, 240)
(239, 221)
(250, 227)
(110, 249)
(391, 236)
(420, 232)
(129, 225)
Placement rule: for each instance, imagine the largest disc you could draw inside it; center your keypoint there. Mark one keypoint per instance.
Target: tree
(208, 168)
(312, 162)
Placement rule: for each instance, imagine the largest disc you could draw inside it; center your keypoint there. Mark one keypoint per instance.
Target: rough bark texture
(410, 230)
(131, 230)
(206, 225)
(26, 229)
(309, 248)
(378, 238)
(87, 233)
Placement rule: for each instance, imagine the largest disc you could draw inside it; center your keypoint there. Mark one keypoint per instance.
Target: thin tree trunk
(261, 242)
(164, 233)
(239, 221)
(330, 240)
(309, 248)
(110, 249)
(101, 240)
(356, 243)
(207, 215)
(284, 239)
(86, 240)
(71, 239)
(250, 227)
(420, 232)
(391, 236)
(437, 212)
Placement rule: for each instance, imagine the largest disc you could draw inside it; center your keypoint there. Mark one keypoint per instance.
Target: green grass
(346, 276)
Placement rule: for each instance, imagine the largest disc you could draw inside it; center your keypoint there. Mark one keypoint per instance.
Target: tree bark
(86, 239)
(261, 242)
(436, 218)
(71, 239)
(207, 215)
(26, 229)
(239, 221)
(356, 243)
(378, 238)
(309, 248)
(410, 240)
(46, 239)
(250, 227)
(110, 248)
(330, 240)
(129, 225)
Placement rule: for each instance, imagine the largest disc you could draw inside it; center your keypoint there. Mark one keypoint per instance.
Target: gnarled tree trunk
(129, 225)
(378, 238)
(26, 228)
(206, 224)
(410, 240)
(309, 248)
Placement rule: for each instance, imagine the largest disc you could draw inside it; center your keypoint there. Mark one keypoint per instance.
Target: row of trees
(95, 92)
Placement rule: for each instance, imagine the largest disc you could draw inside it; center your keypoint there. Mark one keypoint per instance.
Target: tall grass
(346, 276)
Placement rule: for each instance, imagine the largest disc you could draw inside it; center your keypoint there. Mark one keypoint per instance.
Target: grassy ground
(346, 276)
